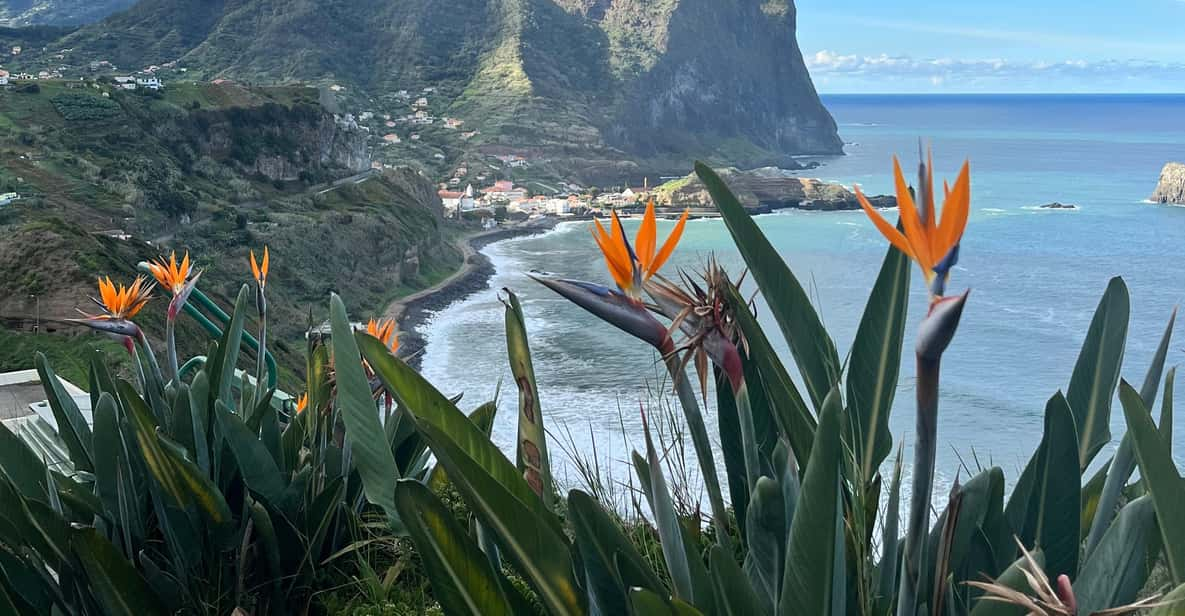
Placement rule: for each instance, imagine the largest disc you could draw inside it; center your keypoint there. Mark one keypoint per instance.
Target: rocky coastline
(1171, 186)
(765, 190)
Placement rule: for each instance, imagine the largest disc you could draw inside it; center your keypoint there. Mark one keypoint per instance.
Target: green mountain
(58, 12)
(613, 86)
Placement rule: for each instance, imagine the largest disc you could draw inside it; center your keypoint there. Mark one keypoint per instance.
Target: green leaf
(669, 530)
(1014, 578)
(21, 465)
(72, 427)
(529, 538)
(1058, 492)
(875, 363)
(114, 581)
(795, 421)
(601, 545)
(430, 407)
(179, 478)
(811, 345)
(732, 446)
(256, 465)
(767, 530)
(1115, 572)
(1166, 409)
(649, 603)
(227, 355)
(1124, 461)
(735, 596)
(368, 443)
(1160, 476)
(813, 555)
(1096, 372)
(532, 439)
(199, 407)
(462, 579)
(886, 573)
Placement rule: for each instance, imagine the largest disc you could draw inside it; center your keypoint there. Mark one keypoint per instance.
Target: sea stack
(1171, 187)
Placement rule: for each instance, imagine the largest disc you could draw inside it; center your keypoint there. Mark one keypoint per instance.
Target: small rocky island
(1171, 187)
(1058, 205)
(765, 190)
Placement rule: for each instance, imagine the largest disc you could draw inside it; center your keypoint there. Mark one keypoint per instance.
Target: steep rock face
(274, 141)
(1171, 187)
(656, 82)
(728, 68)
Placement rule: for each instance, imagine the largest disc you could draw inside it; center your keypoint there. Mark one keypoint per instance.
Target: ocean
(1036, 277)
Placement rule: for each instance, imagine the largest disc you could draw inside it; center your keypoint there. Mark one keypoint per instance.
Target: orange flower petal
(620, 273)
(668, 246)
(255, 268)
(647, 238)
(266, 259)
(955, 211)
(915, 232)
(889, 231)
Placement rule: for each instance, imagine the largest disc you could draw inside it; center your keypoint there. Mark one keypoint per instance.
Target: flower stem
(171, 350)
(703, 448)
(923, 481)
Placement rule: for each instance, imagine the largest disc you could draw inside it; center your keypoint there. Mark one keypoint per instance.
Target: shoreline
(474, 275)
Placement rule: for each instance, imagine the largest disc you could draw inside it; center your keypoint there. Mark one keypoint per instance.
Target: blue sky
(1000, 46)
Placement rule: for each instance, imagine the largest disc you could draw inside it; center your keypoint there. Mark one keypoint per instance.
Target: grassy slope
(365, 241)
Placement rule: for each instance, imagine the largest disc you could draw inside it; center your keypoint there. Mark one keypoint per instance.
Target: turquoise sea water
(1036, 275)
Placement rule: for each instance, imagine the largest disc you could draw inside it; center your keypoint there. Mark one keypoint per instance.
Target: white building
(152, 83)
(421, 103)
(3, 78)
(7, 198)
(127, 82)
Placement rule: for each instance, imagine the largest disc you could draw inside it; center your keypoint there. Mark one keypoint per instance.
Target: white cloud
(979, 72)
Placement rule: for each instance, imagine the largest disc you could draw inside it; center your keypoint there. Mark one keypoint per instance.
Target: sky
(890, 46)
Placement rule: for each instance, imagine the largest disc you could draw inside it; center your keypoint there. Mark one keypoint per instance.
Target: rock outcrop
(1171, 187)
(1058, 205)
(769, 189)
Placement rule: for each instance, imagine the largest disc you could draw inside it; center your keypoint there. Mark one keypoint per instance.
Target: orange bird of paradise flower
(121, 303)
(170, 274)
(301, 403)
(384, 330)
(631, 266)
(932, 243)
(259, 270)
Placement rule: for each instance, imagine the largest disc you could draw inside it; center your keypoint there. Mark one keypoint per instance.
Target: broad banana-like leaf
(1059, 493)
(886, 571)
(875, 363)
(113, 581)
(532, 439)
(462, 579)
(813, 581)
(1160, 475)
(734, 595)
(256, 465)
(528, 538)
(199, 414)
(602, 545)
(1096, 373)
(179, 478)
(1124, 461)
(811, 345)
(430, 407)
(768, 530)
(1115, 572)
(1048, 491)
(732, 447)
(71, 424)
(21, 465)
(670, 532)
(221, 366)
(368, 444)
(649, 603)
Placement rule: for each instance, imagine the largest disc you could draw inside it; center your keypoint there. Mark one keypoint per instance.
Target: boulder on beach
(1171, 187)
